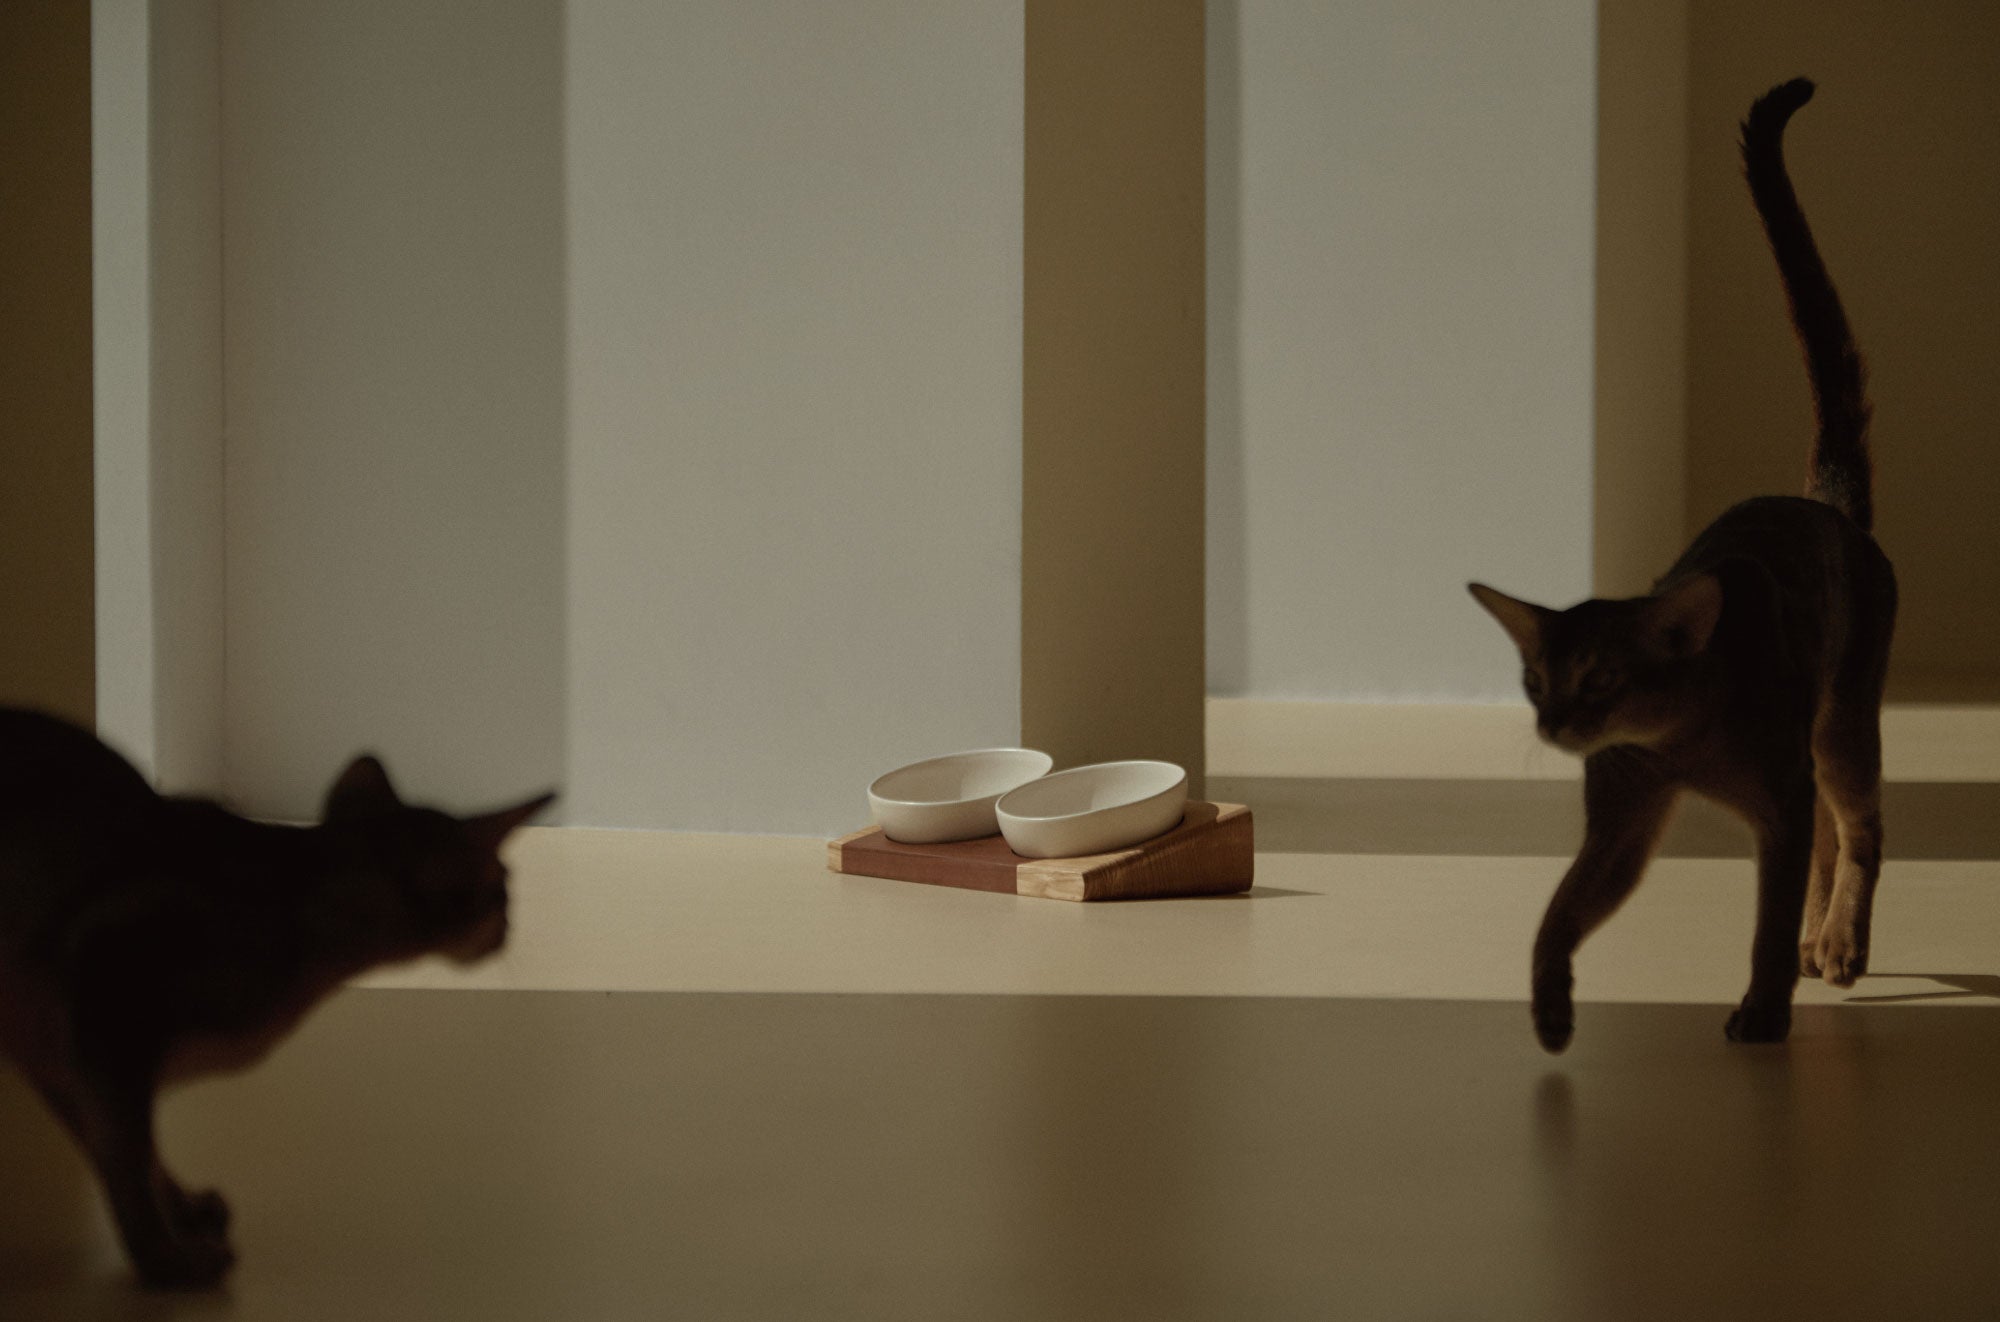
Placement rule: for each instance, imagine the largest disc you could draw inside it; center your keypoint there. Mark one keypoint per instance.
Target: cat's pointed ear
(1683, 618)
(491, 828)
(1521, 619)
(363, 790)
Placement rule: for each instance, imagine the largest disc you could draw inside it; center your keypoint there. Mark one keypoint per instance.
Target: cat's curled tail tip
(1770, 112)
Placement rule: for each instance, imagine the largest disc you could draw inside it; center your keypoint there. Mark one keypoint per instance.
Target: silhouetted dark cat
(146, 939)
(1752, 674)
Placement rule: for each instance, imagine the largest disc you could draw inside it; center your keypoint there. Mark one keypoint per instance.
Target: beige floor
(710, 1080)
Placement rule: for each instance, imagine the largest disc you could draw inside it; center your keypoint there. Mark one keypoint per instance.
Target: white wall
(187, 398)
(1400, 250)
(620, 394)
(157, 385)
(795, 402)
(628, 395)
(392, 249)
(121, 339)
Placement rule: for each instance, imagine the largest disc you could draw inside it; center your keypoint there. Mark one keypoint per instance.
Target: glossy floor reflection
(536, 1155)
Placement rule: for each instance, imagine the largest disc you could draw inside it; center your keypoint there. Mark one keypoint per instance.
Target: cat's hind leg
(1784, 828)
(105, 1093)
(175, 1239)
(1626, 801)
(1850, 775)
(1819, 886)
(1847, 762)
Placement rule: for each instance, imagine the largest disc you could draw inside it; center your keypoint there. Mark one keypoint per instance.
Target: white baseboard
(1496, 741)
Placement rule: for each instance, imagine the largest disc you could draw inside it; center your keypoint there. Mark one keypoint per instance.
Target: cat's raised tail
(1841, 474)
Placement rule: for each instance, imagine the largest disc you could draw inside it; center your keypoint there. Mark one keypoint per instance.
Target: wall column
(45, 499)
(1112, 415)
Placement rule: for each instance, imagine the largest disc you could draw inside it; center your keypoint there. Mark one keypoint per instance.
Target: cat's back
(1801, 542)
(1803, 585)
(68, 806)
(43, 756)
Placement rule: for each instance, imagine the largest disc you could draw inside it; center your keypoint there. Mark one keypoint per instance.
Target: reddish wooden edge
(987, 864)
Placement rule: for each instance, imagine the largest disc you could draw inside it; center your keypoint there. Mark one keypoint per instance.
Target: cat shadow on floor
(1962, 985)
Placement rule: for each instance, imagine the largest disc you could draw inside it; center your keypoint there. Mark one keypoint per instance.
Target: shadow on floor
(1960, 986)
(1544, 818)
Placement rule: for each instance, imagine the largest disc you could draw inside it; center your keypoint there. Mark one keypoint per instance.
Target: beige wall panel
(1895, 164)
(1112, 382)
(1639, 495)
(46, 657)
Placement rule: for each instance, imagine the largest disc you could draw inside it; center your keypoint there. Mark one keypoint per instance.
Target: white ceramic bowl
(1093, 809)
(951, 797)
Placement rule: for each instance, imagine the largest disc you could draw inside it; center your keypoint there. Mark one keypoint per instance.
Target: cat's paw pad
(1759, 1023)
(190, 1263)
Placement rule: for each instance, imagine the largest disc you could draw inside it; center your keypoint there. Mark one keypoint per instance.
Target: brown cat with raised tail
(148, 939)
(1752, 675)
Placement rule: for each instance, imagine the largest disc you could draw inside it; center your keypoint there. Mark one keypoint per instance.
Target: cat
(1752, 675)
(146, 939)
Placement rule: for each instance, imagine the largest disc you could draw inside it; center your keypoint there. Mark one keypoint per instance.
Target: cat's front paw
(1809, 959)
(1554, 1012)
(1555, 1022)
(203, 1214)
(1841, 959)
(192, 1250)
(192, 1262)
(1759, 1023)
